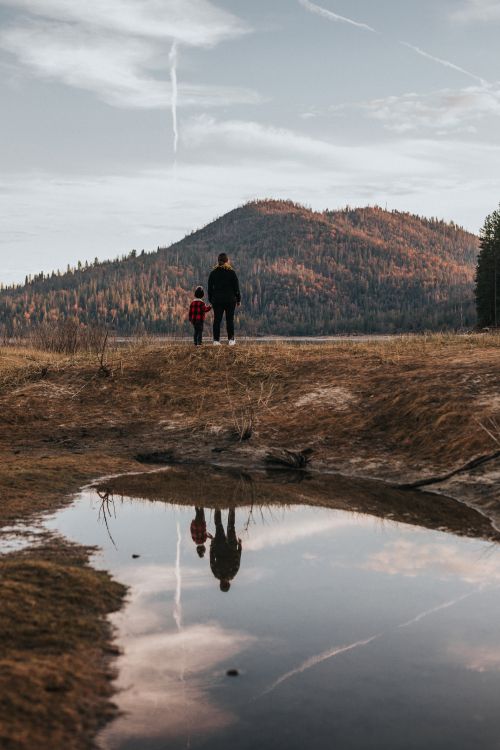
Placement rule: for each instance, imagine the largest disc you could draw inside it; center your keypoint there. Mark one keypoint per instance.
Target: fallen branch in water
(474, 464)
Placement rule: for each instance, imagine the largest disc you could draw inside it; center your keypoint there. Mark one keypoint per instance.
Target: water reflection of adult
(199, 533)
(225, 551)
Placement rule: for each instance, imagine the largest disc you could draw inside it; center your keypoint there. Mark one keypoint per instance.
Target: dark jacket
(223, 286)
(225, 558)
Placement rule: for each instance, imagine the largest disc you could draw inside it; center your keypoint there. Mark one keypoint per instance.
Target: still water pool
(346, 631)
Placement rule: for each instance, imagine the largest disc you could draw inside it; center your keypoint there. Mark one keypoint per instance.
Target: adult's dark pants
(221, 541)
(221, 308)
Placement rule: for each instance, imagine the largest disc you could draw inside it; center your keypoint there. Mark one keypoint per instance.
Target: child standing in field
(197, 312)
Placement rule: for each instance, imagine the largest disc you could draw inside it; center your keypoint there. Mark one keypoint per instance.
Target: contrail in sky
(446, 63)
(334, 16)
(331, 16)
(173, 77)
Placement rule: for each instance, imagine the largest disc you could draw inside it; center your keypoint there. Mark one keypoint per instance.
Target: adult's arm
(211, 287)
(236, 288)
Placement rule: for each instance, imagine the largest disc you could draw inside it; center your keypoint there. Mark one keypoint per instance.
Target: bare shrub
(69, 337)
(244, 423)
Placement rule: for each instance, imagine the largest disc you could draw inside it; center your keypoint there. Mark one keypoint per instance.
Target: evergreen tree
(488, 273)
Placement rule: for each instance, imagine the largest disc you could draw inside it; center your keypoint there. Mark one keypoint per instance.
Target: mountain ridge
(302, 272)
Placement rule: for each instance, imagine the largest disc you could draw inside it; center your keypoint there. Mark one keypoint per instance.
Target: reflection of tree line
(225, 547)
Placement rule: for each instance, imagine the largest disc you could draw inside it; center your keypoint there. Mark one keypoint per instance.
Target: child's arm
(208, 308)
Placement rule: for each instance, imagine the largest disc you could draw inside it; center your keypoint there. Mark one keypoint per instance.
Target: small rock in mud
(135, 557)
(232, 673)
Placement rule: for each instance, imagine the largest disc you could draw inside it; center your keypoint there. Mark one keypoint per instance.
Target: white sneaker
(217, 343)
(232, 342)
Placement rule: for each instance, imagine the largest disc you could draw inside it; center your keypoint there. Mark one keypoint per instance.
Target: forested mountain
(301, 272)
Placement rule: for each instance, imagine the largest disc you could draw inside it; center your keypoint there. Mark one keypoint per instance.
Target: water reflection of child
(199, 533)
(225, 552)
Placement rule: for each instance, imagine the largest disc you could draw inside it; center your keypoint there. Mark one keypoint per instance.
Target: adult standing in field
(224, 295)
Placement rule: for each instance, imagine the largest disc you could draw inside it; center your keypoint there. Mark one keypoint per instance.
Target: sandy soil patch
(337, 397)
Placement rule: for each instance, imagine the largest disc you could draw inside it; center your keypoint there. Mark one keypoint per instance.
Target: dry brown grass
(395, 408)
(55, 668)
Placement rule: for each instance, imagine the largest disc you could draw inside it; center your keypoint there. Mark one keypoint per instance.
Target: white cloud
(478, 10)
(116, 48)
(253, 141)
(193, 22)
(120, 72)
(443, 111)
(331, 16)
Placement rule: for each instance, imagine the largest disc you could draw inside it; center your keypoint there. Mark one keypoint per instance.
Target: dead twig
(104, 368)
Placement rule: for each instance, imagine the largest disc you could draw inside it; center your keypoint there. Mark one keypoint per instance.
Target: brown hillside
(301, 272)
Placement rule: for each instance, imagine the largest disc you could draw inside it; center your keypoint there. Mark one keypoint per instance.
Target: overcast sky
(128, 123)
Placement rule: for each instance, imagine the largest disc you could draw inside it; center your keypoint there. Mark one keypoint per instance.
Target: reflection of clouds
(445, 561)
(154, 702)
(476, 658)
(155, 578)
(296, 530)
(145, 610)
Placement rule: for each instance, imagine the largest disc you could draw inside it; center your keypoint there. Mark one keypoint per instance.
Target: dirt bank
(55, 669)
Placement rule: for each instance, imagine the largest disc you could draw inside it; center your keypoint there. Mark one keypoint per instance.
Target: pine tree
(488, 273)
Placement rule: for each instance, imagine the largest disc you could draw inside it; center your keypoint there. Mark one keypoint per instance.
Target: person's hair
(201, 550)
(199, 292)
(222, 259)
(225, 586)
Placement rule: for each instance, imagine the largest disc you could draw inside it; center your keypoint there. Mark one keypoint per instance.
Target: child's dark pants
(219, 310)
(198, 334)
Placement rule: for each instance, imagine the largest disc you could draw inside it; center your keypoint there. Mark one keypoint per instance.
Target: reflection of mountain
(302, 272)
(223, 489)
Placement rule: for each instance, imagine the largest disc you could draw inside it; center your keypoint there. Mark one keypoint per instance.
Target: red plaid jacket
(199, 532)
(197, 311)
